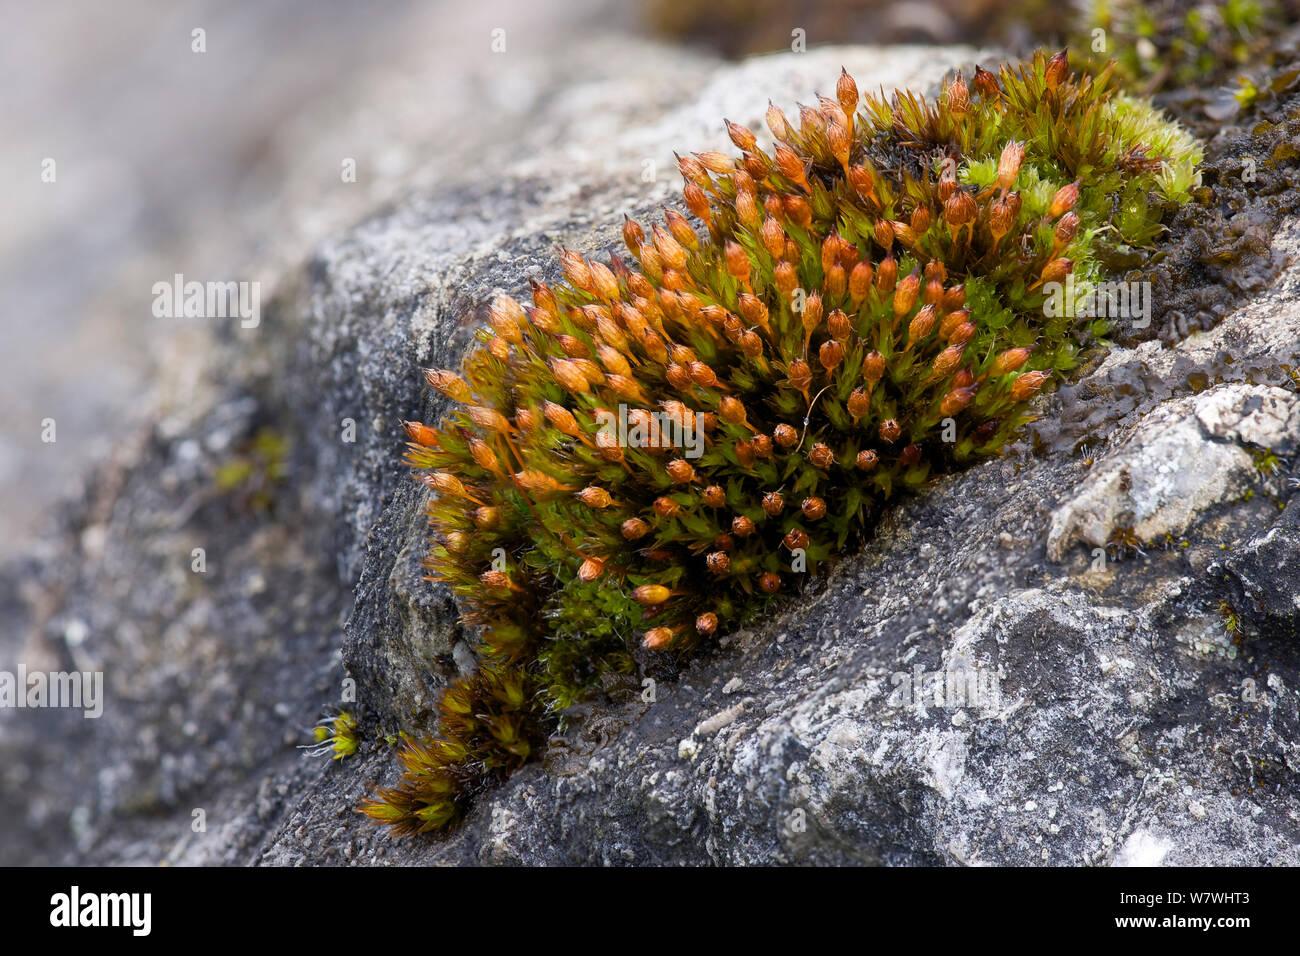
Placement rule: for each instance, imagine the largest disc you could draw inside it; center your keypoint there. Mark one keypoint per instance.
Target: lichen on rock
(1182, 459)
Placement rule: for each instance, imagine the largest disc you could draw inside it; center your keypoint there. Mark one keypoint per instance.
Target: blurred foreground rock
(1140, 706)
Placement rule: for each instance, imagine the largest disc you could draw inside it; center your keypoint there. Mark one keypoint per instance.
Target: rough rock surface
(1181, 459)
(1099, 710)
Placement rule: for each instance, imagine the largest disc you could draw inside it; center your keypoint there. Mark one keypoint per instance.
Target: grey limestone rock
(949, 695)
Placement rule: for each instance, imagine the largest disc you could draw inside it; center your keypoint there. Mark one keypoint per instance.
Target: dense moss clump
(650, 451)
(1219, 251)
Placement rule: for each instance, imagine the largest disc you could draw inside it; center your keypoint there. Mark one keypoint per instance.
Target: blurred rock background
(742, 27)
(220, 165)
(226, 164)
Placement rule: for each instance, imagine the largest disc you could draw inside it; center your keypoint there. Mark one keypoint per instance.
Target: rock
(1256, 576)
(1181, 459)
(949, 695)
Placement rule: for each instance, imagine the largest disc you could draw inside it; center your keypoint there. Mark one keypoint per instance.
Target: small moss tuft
(1231, 620)
(336, 736)
(250, 478)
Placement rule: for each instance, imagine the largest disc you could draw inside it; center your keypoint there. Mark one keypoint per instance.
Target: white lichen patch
(1183, 458)
(1207, 637)
(1143, 848)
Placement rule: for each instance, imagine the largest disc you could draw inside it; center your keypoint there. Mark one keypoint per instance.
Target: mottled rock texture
(1180, 460)
(1137, 706)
